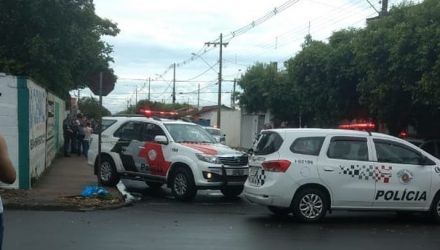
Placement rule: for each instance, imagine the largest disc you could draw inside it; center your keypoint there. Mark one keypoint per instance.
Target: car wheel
(435, 209)
(310, 205)
(232, 191)
(107, 174)
(182, 185)
(280, 211)
(154, 185)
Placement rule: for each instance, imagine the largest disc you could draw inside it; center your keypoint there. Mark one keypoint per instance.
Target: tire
(232, 191)
(182, 184)
(435, 209)
(310, 205)
(280, 211)
(154, 185)
(107, 174)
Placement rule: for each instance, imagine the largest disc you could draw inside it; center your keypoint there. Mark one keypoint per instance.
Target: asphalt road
(157, 221)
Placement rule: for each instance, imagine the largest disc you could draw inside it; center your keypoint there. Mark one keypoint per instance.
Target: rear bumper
(269, 195)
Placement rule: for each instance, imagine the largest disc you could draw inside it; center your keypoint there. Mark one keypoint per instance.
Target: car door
(127, 145)
(152, 153)
(401, 179)
(345, 168)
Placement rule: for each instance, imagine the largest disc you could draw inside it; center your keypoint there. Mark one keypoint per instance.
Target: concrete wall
(31, 121)
(9, 119)
(230, 126)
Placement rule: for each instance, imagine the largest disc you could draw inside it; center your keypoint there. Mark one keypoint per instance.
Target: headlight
(209, 158)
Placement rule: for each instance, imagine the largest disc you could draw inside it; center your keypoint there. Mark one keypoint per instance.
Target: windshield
(189, 133)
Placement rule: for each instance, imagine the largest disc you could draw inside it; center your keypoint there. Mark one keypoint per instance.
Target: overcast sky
(156, 34)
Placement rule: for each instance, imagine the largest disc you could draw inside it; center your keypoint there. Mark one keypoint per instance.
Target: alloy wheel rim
(106, 171)
(311, 206)
(180, 185)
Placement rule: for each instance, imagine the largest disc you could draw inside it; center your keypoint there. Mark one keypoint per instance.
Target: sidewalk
(59, 188)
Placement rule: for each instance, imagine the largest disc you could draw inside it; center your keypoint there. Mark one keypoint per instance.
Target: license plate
(236, 172)
(256, 176)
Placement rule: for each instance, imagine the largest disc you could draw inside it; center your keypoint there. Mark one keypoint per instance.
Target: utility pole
(233, 95)
(149, 83)
(174, 83)
(198, 97)
(219, 108)
(136, 96)
(100, 122)
(384, 10)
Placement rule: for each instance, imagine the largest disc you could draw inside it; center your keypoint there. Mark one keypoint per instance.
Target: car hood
(212, 149)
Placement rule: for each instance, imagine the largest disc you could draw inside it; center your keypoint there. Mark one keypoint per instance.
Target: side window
(348, 148)
(129, 131)
(268, 143)
(393, 152)
(150, 131)
(307, 145)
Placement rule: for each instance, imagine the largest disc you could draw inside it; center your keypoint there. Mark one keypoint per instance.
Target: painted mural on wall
(8, 119)
(37, 129)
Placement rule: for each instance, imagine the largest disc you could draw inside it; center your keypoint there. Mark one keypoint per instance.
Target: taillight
(276, 166)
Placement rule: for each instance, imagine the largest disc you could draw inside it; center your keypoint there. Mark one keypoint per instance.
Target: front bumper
(224, 176)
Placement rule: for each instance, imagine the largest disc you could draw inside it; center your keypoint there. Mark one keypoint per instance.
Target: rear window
(269, 143)
(307, 145)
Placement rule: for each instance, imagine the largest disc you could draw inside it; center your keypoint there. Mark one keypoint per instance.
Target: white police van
(164, 151)
(308, 172)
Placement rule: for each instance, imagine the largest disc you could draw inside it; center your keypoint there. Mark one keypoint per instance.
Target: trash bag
(94, 191)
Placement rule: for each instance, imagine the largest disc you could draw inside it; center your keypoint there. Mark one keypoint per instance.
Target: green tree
(399, 54)
(57, 43)
(89, 107)
(256, 84)
(156, 106)
(308, 75)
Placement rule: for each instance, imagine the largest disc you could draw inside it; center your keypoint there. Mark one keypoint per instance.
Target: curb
(57, 207)
(65, 203)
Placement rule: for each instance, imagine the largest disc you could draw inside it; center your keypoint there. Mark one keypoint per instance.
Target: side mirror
(161, 139)
(250, 151)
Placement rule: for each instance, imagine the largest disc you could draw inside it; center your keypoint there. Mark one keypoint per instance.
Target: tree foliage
(89, 107)
(388, 71)
(57, 43)
(156, 106)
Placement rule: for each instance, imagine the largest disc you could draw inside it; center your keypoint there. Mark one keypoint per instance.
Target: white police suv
(308, 172)
(180, 154)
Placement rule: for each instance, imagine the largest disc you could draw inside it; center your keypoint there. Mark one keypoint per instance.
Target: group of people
(77, 132)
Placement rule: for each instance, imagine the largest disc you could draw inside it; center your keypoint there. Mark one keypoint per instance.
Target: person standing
(7, 175)
(87, 134)
(68, 134)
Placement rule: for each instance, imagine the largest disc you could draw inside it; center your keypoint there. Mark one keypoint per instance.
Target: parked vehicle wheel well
(315, 186)
(95, 167)
(437, 194)
(173, 169)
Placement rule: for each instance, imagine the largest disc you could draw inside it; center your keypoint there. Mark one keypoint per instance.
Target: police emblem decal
(405, 176)
(152, 155)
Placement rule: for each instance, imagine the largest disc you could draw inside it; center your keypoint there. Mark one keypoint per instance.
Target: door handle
(329, 169)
